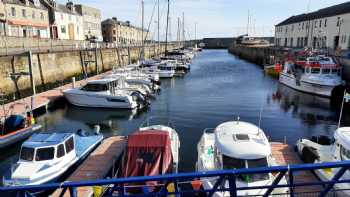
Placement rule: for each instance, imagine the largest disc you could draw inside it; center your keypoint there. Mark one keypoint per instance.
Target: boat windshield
(95, 87)
(230, 163)
(43, 154)
(27, 154)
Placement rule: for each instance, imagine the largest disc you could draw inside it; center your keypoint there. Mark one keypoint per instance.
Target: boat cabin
(103, 85)
(46, 147)
(322, 65)
(231, 152)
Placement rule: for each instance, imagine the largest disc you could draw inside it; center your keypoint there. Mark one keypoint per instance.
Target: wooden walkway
(41, 100)
(284, 155)
(97, 165)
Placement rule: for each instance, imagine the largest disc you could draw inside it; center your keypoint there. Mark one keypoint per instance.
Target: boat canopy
(241, 140)
(342, 135)
(148, 153)
(46, 139)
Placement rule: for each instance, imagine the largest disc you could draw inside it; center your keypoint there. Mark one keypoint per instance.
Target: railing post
(275, 183)
(335, 178)
(291, 182)
(232, 185)
(73, 192)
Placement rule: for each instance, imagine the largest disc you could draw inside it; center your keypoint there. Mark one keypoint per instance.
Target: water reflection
(309, 108)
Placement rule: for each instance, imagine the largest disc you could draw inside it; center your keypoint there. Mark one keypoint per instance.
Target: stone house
(122, 32)
(325, 28)
(91, 21)
(24, 18)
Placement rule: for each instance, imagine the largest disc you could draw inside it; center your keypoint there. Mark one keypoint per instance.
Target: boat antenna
(342, 106)
(260, 114)
(237, 120)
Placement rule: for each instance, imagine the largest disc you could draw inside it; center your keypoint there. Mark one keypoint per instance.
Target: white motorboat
(163, 69)
(226, 148)
(317, 75)
(105, 93)
(136, 78)
(45, 157)
(323, 149)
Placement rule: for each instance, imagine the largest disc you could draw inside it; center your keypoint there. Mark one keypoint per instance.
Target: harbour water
(220, 87)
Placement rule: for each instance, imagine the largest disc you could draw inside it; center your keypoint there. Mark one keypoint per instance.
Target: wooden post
(129, 57)
(103, 66)
(32, 80)
(96, 63)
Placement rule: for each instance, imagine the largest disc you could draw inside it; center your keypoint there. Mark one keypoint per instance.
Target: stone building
(92, 22)
(65, 22)
(325, 28)
(2, 18)
(24, 18)
(122, 32)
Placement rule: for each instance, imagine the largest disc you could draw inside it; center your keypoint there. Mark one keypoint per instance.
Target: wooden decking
(41, 100)
(97, 165)
(284, 155)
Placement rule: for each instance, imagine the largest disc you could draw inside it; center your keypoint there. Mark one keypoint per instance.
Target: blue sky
(215, 18)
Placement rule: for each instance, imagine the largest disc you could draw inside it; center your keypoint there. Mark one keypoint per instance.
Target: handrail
(222, 175)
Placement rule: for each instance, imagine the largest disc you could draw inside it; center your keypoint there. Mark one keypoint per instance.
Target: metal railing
(120, 186)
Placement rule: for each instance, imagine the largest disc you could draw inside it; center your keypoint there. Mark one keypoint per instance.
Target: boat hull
(18, 136)
(303, 86)
(96, 101)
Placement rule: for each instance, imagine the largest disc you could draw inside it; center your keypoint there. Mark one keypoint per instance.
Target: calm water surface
(219, 88)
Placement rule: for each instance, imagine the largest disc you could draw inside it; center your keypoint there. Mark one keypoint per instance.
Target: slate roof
(339, 9)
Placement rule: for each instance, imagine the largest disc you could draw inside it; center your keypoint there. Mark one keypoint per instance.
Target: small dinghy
(236, 145)
(45, 157)
(323, 149)
(15, 128)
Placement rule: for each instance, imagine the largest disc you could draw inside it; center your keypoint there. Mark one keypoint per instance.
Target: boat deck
(42, 100)
(97, 164)
(284, 155)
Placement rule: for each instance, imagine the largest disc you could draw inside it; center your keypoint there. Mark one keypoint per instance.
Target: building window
(302, 27)
(13, 11)
(63, 29)
(24, 13)
(338, 21)
(320, 23)
(62, 16)
(325, 22)
(315, 24)
(42, 15)
(291, 42)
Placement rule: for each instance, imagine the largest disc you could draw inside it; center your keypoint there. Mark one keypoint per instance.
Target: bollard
(73, 82)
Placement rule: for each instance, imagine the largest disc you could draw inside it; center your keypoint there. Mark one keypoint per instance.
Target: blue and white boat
(45, 157)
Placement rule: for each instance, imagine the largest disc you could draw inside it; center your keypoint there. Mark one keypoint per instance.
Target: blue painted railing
(118, 186)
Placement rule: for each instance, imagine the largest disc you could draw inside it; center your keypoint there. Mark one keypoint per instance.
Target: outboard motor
(156, 82)
(141, 99)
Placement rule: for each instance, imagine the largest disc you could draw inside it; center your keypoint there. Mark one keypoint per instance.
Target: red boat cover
(148, 153)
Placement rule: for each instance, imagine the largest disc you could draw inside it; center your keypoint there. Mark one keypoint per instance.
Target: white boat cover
(241, 140)
(342, 135)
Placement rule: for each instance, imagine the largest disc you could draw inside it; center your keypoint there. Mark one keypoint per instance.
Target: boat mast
(167, 28)
(158, 29)
(248, 23)
(183, 29)
(143, 39)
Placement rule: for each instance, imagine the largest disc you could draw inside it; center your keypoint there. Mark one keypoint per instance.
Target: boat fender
(97, 129)
(309, 155)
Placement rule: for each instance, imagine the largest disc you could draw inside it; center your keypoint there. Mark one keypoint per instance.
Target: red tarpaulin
(148, 153)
